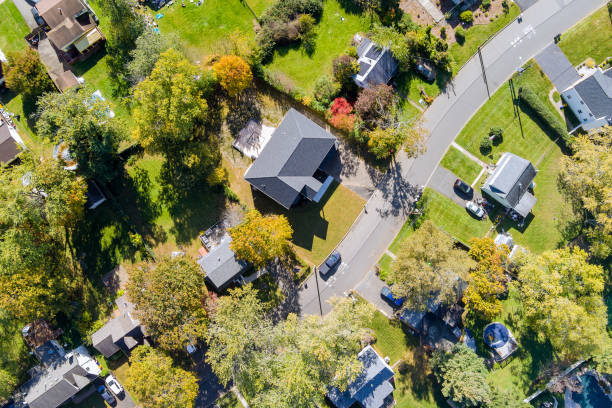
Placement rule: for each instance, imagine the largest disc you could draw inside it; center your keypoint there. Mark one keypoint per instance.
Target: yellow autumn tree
(234, 74)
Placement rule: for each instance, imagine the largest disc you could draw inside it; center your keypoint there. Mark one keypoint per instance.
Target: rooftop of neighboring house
(8, 145)
(221, 265)
(118, 329)
(594, 91)
(68, 20)
(376, 64)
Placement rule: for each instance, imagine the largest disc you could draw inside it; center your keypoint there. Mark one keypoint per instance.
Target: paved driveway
(210, 388)
(369, 288)
(443, 181)
(25, 8)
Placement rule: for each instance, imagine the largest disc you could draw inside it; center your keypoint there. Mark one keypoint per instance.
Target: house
(373, 388)
(590, 99)
(288, 169)
(510, 182)
(9, 144)
(220, 265)
(438, 326)
(59, 377)
(73, 25)
(122, 332)
(376, 65)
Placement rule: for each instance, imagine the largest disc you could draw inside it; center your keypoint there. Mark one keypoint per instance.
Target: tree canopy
(259, 239)
(157, 383)
(234, 74)
(429, 267)
(148, 48)
(292, 363)
(91, 136)
(26, 74)
(170, 299)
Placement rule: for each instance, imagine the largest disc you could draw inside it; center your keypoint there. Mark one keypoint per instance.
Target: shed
(500, 339)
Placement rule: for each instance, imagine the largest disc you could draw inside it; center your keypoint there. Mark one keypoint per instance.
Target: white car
(475, 209)
(113, 385)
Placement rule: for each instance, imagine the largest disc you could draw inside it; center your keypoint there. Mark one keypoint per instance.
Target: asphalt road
(389, 206)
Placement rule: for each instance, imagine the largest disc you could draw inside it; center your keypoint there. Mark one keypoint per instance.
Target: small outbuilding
(500, 340)
(376, 64)
(220, 265)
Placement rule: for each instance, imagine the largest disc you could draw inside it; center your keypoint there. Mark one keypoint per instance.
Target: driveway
(369, 288)
(210, 388)
(25, 8)
(390, 204)
(443, 181)
(125, 401)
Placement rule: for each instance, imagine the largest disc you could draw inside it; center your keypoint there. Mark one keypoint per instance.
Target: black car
(426, 71)
(330, 263)
(463, 187)
(37, 17)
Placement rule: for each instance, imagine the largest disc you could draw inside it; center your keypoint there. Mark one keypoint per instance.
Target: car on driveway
(113, 385)
(386, 294)
(475, 209)
(426, 71)
(37, 17)
(107, 395)
(463, 187)
(330, 263)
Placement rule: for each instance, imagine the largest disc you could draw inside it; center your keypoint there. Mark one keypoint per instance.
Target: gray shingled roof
(370, 388)
(557, 67)
(285, 167)
(376, 65)
(8, 146)
(596, 92)
(221, 265)
(511, 178)
(107, 339)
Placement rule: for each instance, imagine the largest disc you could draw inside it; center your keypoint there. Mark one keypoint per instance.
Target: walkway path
(391, 203)
(469, 155)
(433, 11)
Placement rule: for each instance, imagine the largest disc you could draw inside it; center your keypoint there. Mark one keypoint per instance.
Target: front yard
(13, 28)
(589, 38)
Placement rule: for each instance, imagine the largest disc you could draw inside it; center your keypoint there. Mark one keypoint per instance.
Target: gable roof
(370, 388)
(511, 179)
(285, 166)
(596, 92)
(8, 145)
(376, 65)
(221, 265)
(68, 19)
(557, 67)
(115, 330)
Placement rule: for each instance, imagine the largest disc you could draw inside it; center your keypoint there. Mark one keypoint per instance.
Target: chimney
(60, 10)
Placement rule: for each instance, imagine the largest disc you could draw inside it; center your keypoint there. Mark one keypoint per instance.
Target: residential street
(390, 204)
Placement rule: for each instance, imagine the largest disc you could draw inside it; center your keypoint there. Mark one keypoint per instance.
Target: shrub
(466, 17)
(27, 75)
(486, 4)
(344, 67)
(234, 74)
(556, 97)
(341, 115)
(325, 90)
(341, 107)
(550, 122)
(352, 52)
(485, 145)
(496, 132)
(443, 33)
(460, 35)
(373, 102)
(506, 6)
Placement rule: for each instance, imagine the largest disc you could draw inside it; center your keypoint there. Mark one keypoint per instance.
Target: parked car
(37, 17)
(106, 395)
(463, 187)
(113, 385)
(475, 209)
(330, 263)
(386, 293)
(426, 71)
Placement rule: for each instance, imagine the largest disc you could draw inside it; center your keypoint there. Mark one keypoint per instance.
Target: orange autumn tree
(260, 239)
(234, 74)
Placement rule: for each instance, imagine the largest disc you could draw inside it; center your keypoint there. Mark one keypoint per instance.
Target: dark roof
(110, 338)
(557, 67)
(495, 335)
(286, 165)
(596, 92)
(8, 146)
(61, 16)
(511, 179)
(414, 318)
(221, 265)
(376, 64)
(370, 388)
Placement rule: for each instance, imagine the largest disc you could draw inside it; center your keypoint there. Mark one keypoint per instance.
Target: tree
(396, 41)
(92, 138)
(586, 181)
(8, 382)
(562, 302)
(27, 75)
(383, 143)
(260, 239)
(429, 268)
(344, 67)
(373, 103)
(325, 90)
(148, 48)
(487, 279)
(234, 74)
(292, 363)
(463, 376)
(157, 383)
(170, 297)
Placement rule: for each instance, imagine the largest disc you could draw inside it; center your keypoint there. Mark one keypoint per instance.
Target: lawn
(531, 141)
(13, 28)
(334, 36)
(259, 6)
(413, 379)
(478, 34)
(589, 38)
(409, 84)
(461, 165)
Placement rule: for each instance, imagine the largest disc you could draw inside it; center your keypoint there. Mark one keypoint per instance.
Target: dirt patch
(417, 12)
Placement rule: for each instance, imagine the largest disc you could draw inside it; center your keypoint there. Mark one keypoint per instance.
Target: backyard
(589, 38)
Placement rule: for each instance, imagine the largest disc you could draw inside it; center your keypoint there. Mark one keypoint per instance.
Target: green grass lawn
(589, 38)
(259, 6)
(461, 165)
(478, 34)
(13, 28)
(410, 83)
(334, 36)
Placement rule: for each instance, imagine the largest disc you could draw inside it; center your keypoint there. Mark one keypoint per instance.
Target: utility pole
(484, 74)
(316, 273)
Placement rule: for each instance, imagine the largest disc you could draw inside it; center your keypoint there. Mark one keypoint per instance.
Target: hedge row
(530, 100)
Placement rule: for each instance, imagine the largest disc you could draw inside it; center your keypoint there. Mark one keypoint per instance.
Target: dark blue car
(386, 293)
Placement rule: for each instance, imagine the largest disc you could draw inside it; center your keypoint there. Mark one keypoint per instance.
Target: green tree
(343, 68)
(260, 239)
(148, 48)
(27, 75)
(8, 382)
(157, 383)
(92, 138)
(292, 363)
(396, 41)
(586, 180)
(170, 298)
(383, 143)
(561, 294)
(429, 267)
(463, 376)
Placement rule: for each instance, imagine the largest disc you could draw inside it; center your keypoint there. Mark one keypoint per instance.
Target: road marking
(391, 254)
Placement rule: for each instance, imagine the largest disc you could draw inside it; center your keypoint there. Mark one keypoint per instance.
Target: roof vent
(60, 10)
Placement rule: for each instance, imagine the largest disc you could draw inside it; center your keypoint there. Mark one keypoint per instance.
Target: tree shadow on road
(397, 192)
